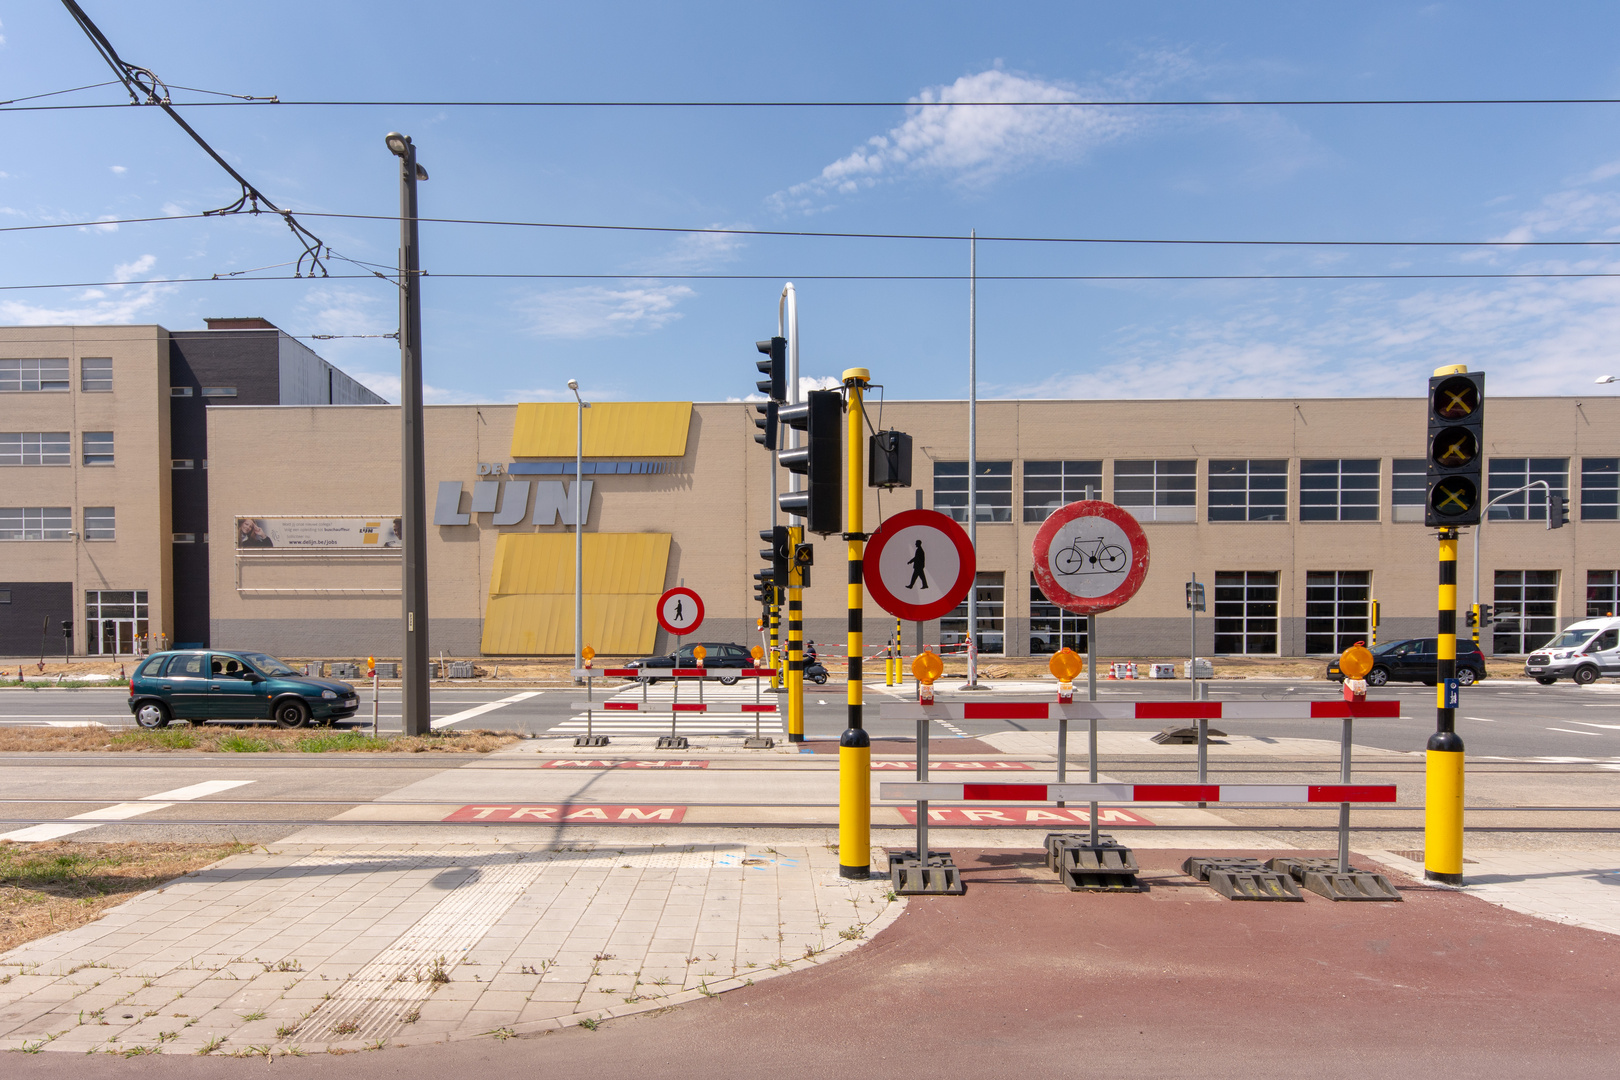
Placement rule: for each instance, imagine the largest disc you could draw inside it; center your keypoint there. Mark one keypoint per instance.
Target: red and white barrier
(1144, 710)
(1136, 793)
(613, 705)
(675, 673)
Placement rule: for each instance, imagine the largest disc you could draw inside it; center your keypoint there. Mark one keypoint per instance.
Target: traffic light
(1456, 449)
(820, 461)
(769, 581)
(774, 367)
(888, 464)
(1372, 615)
(1473, 615)
(1557, 510)
(804, 557)
(1485, 617)
(767, 422)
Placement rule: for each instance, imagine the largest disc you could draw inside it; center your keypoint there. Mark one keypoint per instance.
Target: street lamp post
(415, 716)
(579, 527)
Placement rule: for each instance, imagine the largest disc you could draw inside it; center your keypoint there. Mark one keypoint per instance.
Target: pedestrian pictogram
(919, 565)
(1090, 556)
(680, 611)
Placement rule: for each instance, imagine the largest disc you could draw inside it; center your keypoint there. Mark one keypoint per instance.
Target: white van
(1585, 651)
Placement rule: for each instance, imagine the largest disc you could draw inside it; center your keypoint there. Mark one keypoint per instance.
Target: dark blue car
(208, 684)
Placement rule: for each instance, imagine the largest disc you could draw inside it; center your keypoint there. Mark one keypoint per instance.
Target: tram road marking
(1572, 731)
(1588, 723)
(468, 714)
(122, 811)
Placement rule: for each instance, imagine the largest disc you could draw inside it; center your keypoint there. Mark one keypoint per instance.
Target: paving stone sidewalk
(1577, 888)
(304, 948)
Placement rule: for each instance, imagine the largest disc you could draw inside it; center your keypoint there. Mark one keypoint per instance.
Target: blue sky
(1420, 173)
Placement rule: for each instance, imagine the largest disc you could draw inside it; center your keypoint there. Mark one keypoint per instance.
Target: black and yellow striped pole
(775, 616)
(795, 643)
(855, 748)
(1443, 813)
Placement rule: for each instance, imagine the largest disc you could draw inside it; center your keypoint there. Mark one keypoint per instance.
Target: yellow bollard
(855, 746)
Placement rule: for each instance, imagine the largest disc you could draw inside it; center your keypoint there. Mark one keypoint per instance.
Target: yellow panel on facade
(531, 593)
(612, 429)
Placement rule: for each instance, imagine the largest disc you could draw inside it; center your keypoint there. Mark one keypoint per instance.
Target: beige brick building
(1294, 512)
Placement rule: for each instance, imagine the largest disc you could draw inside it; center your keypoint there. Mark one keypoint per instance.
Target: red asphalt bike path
(1021, 978)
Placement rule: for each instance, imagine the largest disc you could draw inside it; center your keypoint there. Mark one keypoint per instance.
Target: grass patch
(255, 739)
(50, 887)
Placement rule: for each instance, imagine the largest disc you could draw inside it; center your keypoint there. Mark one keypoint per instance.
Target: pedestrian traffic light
(1557, 510)
(774, 367)
(1456, 448)
(820, 461)
(767, 422)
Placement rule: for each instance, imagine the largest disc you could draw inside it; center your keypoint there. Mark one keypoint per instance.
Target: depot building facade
(1296, 514)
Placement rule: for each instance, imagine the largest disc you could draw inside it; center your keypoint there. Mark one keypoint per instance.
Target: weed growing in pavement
(287, 1029)
(412, 1017)
(293, 1051)
(165, 1036)
(703, 988)
(589, 1024)
(438, 972)
(346, 1027)
(257, 1014)
(210, 1046)
(376, 1044)
(149, 1013)
(137, 1051)
(503, 1033)
(38, 1045)
(603, 956)
(282, 965)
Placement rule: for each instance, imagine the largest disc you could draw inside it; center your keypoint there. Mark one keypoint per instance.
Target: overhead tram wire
(453, 276)
(141, 83)
(813, 234)
(1100, 103)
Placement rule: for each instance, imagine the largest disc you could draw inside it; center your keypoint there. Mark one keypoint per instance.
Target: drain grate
(1417, 857)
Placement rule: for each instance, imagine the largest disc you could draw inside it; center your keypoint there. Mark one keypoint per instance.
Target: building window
(1338, 489)
(990, 590)
(35, 448)
(182, 463)
(1336, 609)
(1600, 489)
(35, 522)
(1050, 627)
(99, 523)
(95, 373)
(1049, 485)
(5, 596)
(219, 391)
(185, 538)
(179, 391)
(1409, 488)
(115, 620)
(98, 448)
(1526, 610)
(1506, 474)
(1248, 491)
(1246, 611)
(46, 375)
(994, 490)
(1157, 490)
(1602, 593)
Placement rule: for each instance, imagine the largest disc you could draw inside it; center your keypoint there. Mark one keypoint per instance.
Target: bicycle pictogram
(1090, 557)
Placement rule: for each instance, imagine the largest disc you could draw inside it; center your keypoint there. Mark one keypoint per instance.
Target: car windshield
(1569, 639)
(267, 664)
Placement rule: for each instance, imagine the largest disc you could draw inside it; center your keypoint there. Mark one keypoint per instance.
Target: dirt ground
(50, 887)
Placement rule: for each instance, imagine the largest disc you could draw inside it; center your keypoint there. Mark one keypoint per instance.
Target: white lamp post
(579, 527)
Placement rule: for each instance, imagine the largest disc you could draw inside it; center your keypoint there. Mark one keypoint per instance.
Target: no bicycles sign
(1090, 557)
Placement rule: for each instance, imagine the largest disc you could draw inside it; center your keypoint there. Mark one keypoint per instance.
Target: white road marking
(1486, 719)
(1588, 723)
(468, 714)
(122, 811)
(1571, 731)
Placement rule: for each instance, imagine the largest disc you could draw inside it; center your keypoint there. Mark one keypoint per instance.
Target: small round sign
(680, 611)
(919, 565)
(1090, 557)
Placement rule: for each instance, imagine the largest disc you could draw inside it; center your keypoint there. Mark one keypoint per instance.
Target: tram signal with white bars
(1456, 456)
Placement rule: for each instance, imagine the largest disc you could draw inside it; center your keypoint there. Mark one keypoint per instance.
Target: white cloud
(119, 170)
(595, 311)
(170, 209)
(975, 145)
(695, 252)
(131, 270)
(109, 219)
(807, 383)
(386, 383)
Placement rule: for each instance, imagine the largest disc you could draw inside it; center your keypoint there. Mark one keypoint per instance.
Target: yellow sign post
(795, 643)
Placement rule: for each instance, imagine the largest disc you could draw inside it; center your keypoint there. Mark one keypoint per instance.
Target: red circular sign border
(967, 564)
(680, 590)
(1062, 597)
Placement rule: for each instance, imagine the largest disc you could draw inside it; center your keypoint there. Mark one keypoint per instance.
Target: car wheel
(1586, 675)
(1466, 676)
(728, 680)
(1377, 676)
(291, 713)
(1545, 680)
(152, 715)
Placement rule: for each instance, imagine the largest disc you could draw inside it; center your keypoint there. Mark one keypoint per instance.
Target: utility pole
(973, 456)
(413, 681)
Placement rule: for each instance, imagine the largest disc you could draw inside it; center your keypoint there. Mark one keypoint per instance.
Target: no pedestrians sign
(919, 565)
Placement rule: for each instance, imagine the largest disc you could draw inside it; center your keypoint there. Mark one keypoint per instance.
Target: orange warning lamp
(698, 653)
(1355, 662)
(757, 653)
(927, 667)
(371, 667)
(1065, 665)
(589, 654)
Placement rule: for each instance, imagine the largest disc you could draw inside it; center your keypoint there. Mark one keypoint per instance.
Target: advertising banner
(334, 535)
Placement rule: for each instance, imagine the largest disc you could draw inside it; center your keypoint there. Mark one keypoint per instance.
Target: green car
(207, 684)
